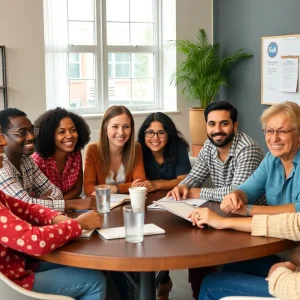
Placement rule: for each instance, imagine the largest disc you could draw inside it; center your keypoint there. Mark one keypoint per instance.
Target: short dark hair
(221, 105)
(175, 137)
(5, 116)
(49, 121)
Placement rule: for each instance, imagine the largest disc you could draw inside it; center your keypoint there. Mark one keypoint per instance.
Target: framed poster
(280, 56)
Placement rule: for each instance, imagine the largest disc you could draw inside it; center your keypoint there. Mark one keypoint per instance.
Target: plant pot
(197, 125)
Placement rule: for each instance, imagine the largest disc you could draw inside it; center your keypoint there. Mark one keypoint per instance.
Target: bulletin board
(280, 57)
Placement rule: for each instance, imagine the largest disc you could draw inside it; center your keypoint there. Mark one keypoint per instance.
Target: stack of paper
(119, 232)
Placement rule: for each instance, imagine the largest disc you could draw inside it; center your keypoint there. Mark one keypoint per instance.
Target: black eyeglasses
(159, 134)
(24, 133)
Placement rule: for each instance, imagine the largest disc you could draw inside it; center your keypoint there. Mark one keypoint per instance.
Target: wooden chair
(12, 291)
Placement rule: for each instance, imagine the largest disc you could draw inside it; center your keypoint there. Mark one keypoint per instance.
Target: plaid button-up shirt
(243, 158)
(30, 184)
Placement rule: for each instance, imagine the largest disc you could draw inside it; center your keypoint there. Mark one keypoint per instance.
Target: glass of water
(103, 198)
(134, 224)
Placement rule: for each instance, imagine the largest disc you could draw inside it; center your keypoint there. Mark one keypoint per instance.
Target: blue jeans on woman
(245, 278)
(81, 284)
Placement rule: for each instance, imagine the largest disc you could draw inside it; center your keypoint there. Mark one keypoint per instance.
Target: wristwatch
(249, 208)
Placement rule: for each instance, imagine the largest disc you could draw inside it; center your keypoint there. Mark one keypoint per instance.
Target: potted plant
(202, 72)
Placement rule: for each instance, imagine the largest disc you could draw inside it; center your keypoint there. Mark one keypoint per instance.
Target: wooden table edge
(142, 264)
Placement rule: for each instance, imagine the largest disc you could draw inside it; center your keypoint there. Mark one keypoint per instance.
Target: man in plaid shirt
(229, 157)
(20, 177)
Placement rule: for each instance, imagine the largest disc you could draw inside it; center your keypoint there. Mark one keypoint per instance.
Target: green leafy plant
(203, 71)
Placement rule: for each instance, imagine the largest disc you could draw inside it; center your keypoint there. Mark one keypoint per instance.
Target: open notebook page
(118, 199)
(178, 208)
(193, 202)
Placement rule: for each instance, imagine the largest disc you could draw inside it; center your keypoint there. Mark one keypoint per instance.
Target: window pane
(141, 10)
(74, 57)
(119, 89)
(82, 10)
(117, 33)
(74, 71)
(111, 70)
(82, 65)
(122, 70)
(142, 65)
(82, 93)
(141, 34)
(122, 57)
(119, 65)
(81, 33)
(143, 90)
(117, 10)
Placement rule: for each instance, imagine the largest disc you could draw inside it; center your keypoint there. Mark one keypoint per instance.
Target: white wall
(21, 31)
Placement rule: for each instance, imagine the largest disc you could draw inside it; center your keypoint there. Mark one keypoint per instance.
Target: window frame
(101, 50)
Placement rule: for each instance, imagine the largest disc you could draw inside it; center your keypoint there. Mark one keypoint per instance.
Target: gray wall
(241, 24)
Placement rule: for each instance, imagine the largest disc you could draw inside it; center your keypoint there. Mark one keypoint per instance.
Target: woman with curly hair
(116, 159)
(62, 134)
(165, 152)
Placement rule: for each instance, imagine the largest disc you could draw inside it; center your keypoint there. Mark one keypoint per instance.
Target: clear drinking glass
(134, 224)
(103, 198)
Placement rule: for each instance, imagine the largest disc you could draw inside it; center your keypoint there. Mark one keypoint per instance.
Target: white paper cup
(137, 198)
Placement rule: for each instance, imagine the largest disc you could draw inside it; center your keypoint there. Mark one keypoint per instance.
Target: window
(74, 65)
(98, 56)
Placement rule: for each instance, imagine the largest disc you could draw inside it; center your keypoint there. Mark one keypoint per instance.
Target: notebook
(193, 202)
(118, 199)
(178, 208)
(119, 232)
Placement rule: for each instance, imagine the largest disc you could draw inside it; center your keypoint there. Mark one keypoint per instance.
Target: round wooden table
(182, 246)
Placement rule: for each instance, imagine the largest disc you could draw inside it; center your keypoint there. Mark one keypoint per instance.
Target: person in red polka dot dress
(28, 230)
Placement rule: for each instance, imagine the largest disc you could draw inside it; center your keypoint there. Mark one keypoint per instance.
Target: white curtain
(56, 46)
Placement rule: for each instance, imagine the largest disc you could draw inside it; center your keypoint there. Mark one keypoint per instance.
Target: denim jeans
(246, 278)
(81, 284)
(222, 284)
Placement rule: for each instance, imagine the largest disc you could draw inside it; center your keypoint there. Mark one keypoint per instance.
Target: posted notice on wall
(289, 74)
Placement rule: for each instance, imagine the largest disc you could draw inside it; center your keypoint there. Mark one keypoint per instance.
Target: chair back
(11, 291)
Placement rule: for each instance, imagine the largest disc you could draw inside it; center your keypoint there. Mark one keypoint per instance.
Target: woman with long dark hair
(165, 152)
(166, 162)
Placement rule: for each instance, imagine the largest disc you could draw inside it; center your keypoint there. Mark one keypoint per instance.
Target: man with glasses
(229, 157)
(20, 177)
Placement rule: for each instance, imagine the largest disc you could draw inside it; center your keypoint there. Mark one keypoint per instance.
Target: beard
(223, 143)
